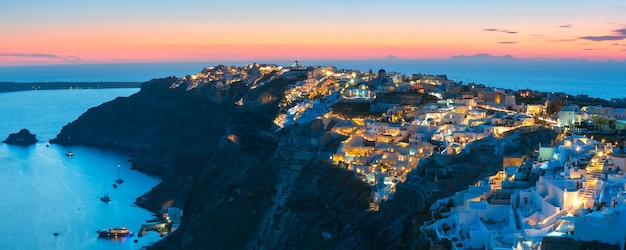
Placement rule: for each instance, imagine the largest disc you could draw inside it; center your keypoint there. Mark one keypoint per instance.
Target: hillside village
(512, 169)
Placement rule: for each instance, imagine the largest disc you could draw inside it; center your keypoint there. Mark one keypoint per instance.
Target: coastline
(22, 86)
(165, 122)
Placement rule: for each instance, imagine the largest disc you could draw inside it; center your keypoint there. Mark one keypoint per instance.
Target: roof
(571, 107)
(477, 205)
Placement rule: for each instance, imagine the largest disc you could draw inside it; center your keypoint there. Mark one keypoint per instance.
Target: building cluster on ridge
(564, 195)
(389, 124)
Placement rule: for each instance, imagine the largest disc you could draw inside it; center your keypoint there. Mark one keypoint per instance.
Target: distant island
(24, 138)
(21, 86)
(482, 57)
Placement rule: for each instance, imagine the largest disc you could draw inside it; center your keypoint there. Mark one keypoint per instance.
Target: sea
(43, 192)
(600, 79)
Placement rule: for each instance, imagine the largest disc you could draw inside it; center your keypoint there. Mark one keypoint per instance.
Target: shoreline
(23, 86)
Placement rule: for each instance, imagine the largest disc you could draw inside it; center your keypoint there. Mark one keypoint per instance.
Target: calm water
(45, 192)
(597, 79)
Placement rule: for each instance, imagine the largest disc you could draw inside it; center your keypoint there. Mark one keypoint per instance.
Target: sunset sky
(78, 31)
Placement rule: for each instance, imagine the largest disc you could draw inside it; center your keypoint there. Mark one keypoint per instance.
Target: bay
(43, 192)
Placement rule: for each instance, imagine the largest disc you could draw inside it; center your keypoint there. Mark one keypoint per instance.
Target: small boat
(69, 154)
(106, 198)
(119, 179)
(114, 185)
(115, 232)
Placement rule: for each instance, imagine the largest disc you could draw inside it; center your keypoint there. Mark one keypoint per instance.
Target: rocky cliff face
(240, 184)
(159, 124)
(265, 198)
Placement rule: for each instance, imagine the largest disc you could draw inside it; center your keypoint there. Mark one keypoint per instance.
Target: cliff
(172, 129)
(268, 197)
(240, 184)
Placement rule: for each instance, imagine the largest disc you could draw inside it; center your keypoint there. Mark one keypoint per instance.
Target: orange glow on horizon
(149, 45)
(242, 52)
(98, 32)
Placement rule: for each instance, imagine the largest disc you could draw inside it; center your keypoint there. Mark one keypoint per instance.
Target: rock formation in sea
(24, 137)
(236, 179)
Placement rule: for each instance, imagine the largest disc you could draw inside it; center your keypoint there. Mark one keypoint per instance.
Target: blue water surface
(43, 192)
(596, 79)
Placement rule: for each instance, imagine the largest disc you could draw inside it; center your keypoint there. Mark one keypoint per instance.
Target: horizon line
(477, 57)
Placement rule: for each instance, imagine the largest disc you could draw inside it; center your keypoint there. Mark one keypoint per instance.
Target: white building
(535, 109)
(618, 159)
(606, 226)
(509, 100)
(567, 115)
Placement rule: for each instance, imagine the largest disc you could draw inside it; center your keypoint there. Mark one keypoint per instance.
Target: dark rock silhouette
(24, 137)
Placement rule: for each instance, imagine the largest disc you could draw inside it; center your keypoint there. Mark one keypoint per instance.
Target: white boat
(115, 232)
(106, 198)
(119, 179)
